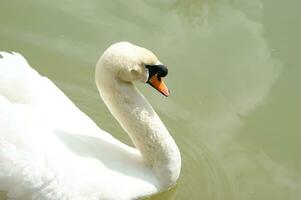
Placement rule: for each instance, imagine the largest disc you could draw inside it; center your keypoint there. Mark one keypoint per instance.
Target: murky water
(234, 69)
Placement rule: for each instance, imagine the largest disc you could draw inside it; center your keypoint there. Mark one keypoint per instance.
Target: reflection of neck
(144, 127)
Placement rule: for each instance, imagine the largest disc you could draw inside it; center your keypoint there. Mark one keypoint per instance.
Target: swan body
(51, 150)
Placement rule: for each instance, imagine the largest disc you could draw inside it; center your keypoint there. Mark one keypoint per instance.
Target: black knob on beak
(160, 70)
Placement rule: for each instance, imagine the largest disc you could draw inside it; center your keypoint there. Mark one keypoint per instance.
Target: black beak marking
(161, 70)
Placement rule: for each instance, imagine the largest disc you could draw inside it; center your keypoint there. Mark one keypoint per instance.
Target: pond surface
(234, 71)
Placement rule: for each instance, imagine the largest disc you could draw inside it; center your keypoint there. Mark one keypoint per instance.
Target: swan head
(130, 63)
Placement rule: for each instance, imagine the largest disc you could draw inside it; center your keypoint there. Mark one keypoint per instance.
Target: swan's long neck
(143, 125)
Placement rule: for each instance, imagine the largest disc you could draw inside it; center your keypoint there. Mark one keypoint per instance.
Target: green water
(234, 71)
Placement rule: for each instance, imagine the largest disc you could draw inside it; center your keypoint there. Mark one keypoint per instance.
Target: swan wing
(21, 84)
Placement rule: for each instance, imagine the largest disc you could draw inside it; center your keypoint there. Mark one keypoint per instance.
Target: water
(234, 108)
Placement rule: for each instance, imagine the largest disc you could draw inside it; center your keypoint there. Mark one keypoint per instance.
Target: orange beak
(158, 84)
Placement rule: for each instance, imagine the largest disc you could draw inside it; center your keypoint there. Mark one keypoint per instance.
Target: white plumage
(50, 150)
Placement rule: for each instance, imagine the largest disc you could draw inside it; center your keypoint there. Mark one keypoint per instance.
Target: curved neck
(143, 125)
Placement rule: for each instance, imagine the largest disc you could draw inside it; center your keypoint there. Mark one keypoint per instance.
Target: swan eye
(134, 72)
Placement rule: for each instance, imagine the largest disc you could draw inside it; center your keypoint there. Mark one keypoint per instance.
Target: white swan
(50, 150)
